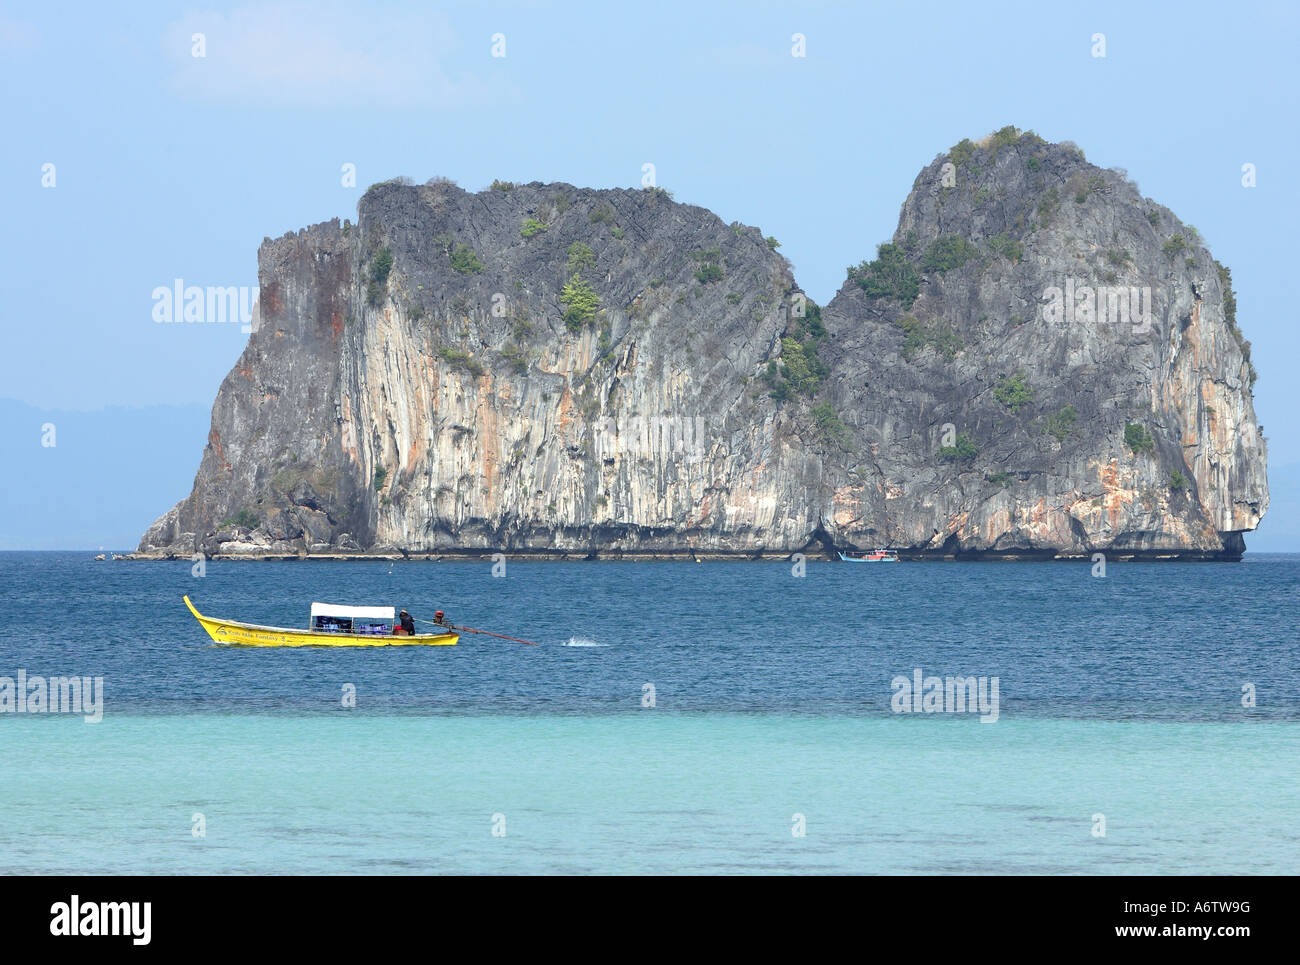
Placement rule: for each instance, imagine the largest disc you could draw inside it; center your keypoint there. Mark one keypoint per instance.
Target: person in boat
(406, 624)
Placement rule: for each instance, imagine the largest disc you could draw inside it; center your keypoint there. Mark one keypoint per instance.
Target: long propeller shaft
(486, 633)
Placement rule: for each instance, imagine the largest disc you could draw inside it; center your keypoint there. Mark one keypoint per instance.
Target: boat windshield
(335, 618)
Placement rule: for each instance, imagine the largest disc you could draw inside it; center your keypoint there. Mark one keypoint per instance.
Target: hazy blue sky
(169, 165)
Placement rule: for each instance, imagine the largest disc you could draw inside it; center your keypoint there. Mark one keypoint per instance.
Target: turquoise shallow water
(649, 793)
(1119, 696)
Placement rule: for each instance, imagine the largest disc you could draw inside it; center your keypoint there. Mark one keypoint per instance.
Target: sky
(175, 156)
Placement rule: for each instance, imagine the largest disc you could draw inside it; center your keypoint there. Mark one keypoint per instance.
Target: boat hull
(869, 559)
(235, 634)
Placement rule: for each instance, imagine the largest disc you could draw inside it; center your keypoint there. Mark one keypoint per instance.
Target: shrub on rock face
(810, 323)
(580, 256)
(961, 151)
(1061, 423)
(801, 369)
(581, 302)
(244, 519)
(708, 272)
(964, 449)
(780, 387)
(461, 360)
(891, 275)
(1014, 391)
(945, 254)
(917, 335)
(1006, 246)
(517, 357)
(1006, 137)
(830, 424)
(380, 268)
(1138, 438)
(382, 265)
(947, 342)
(465, 261)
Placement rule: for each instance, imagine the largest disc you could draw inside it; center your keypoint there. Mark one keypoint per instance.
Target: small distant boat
(331, 626)
(879, 556)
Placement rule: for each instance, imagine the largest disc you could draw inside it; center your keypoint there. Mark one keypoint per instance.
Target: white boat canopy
(352, 612)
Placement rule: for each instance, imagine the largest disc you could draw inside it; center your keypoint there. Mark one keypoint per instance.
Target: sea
(672, 718)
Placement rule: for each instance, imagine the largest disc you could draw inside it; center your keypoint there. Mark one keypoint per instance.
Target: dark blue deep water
(770, 746)
(1167, 640)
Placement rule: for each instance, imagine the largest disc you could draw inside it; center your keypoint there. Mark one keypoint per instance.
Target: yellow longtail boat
(331, 626)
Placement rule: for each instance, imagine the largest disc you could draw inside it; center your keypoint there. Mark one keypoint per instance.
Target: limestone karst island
(1041, 363)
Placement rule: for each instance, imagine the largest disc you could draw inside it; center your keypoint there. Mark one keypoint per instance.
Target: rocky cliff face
(1041, 362)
